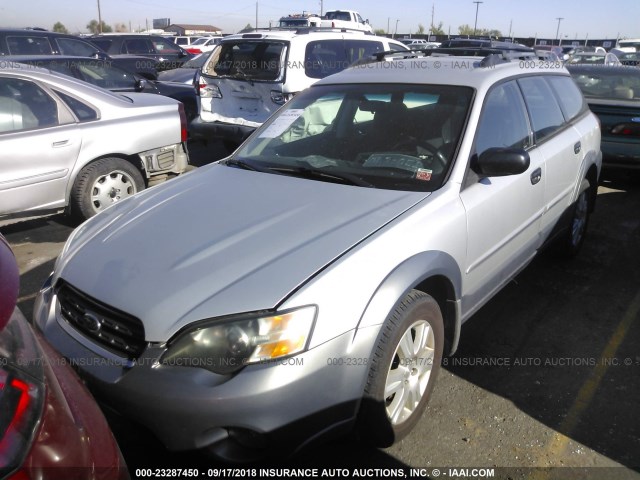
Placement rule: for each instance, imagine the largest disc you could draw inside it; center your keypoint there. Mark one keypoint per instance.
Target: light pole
(475, 25)
(396, 30)
(99, 19)
(558, 29)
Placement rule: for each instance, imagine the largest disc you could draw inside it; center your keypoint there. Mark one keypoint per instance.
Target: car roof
(288, 34)
(475, 72)
(18, 70)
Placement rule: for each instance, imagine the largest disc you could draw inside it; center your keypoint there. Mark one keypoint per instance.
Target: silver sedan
(68, 145)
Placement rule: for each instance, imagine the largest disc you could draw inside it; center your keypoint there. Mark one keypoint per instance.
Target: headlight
(228, 346)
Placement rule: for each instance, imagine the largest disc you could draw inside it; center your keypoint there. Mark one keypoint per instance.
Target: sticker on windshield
(423, 174)
(281, 123)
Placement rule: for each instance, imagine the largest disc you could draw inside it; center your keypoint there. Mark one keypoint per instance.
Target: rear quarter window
(546, 115)
(569, 96)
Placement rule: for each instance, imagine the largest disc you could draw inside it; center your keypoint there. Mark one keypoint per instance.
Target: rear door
(556, 139)
(40, 143)
(503, 213)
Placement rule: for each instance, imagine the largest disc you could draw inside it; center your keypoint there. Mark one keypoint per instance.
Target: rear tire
(571, 242)
(103, 183)
(403, 370)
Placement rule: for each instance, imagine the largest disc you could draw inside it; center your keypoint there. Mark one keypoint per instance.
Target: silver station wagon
(310, 283)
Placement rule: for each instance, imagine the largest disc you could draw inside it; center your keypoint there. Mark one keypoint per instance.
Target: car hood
(180, 75)
(220, 241)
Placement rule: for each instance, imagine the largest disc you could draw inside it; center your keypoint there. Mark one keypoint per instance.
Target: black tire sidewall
(374, 424)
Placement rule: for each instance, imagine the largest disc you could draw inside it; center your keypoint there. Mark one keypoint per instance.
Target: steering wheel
(416, 143)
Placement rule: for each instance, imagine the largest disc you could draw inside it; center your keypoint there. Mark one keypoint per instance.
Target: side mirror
(141, 84)
(9, 282)
(501, 162)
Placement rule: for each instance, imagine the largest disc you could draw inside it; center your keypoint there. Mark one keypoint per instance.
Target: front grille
(116, 331)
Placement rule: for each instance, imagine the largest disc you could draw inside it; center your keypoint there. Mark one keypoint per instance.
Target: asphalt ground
(545, 384)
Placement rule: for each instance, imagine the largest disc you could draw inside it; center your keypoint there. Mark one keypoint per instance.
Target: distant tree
(380, 31)
(247, 28)
(437, 30)
(93, 27)
(485, 32)
(120, 28)
(420, 29)
(60, 28)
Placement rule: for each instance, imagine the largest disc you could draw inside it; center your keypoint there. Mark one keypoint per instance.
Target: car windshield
(401, 137)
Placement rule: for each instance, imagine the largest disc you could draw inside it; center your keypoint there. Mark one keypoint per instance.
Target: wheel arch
(435, 273)
(132, 159)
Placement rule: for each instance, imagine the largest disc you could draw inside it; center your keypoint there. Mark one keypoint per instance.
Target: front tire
(103, 183)
(403, 370)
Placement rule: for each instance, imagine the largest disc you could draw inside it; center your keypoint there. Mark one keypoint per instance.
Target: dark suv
(163, 50)
(42, 42)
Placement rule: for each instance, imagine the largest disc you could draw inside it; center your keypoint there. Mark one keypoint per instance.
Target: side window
(24, 105)
(165, 47)
(140, 46)
(569, 96)
(78, 48)
(326, 57)
(545, 112)
(104, 75)
(83, 112)
(29, 45)
(103, 43)
(503, 122)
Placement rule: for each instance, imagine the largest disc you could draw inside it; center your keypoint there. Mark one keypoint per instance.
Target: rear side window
(102, 43)
(326, 57)
(78, 48)
(83, 111)
(546, 116)
(568, 95)
(139, 46)
(29, 45)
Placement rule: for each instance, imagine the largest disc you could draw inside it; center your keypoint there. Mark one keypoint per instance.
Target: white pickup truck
(345, 19)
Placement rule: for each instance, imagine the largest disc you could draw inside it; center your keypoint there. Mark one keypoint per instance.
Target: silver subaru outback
(310, 283)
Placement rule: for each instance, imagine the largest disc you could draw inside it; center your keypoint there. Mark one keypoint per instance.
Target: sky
(523, 18)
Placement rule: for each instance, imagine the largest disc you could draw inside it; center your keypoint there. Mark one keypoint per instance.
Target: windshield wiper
(313, 173)
(232, 162)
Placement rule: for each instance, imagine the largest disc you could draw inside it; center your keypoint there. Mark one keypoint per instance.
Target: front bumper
(297, 399)
(172, 159)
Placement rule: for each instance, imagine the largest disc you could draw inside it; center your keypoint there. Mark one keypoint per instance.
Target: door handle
(60, 143)
(577, 147)
(536, 175)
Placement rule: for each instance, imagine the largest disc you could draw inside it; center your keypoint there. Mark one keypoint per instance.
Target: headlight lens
(227, 347)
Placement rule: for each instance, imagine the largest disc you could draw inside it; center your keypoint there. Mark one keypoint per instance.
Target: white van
(252, 74)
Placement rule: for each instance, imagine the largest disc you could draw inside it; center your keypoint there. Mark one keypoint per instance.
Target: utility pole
(388, 20)
(321, 9)
(510, 25)
(99, 19)
(396, 30)
(433, 11)
(475, 25)
(256, 14)
(558, 29)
